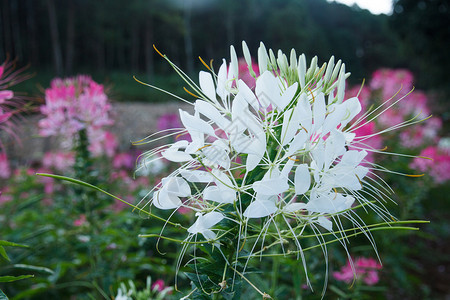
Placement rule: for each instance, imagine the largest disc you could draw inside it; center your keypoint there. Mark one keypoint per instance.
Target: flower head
(76, 103)
(273, 160)
(361, 268)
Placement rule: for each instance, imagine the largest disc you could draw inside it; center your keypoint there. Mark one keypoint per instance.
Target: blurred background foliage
(114, 39)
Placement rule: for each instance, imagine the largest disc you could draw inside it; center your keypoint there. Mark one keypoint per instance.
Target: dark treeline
(71, 36)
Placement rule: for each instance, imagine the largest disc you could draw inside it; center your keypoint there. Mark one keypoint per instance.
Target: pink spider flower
(10, 103)
(5, 170)
(365, 269)
(77, 103)
(159, 285)
(392, 82)
(169, 121)
(80, 221)
(244, 72)
(123, 161)
(59, 161)
(435, 161)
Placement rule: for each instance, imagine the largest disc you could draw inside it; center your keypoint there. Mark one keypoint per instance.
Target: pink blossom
(5, 170)
(169, 121)
(123, 160)
(59, 161)
(421, 134)
(364, 95)
(244, 73)
(184, 210)
(10, 103)
(392, 82)
(4, 196)
(435, 161)
(159, 285)
(80, 221)
(364, 268)
(367, 140)
(76, 103)
(102, 142)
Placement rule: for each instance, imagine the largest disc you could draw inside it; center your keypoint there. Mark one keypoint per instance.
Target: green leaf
(3, 296)
(3, 253)
(34, 268)
(6, 243)
(14, 278)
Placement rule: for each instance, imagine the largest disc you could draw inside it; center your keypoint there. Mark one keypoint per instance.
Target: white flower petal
(176, 186)
(267, 89)
(305, 113)
(260, 209)
(209, 111)
(248, 95)
(287, 97)
(273, 183)
(207, 85)
(297, 143)
(194, 123)
(164, 200)
(293, 207)
(221, 89)
(176, 156)
(330, 203)
(289, 128)
(234, 65)
(205, 222)
(302, 179)
(352, 107)
(325, 223)
(197, 176)
(319, 110)
(263, 59)
(334, 118)
(219, 194)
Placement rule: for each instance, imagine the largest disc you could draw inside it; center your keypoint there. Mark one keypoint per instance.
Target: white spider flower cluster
(284, 149)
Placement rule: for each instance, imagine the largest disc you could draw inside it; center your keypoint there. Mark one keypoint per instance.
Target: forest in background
(106, 36)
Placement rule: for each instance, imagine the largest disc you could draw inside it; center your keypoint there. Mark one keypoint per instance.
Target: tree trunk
(135, 46)
(188, 36)
(15, 25)
(57, 56)
(229, 23)
(6, 22)
(31, 28)
(149, 62)
(70, 42)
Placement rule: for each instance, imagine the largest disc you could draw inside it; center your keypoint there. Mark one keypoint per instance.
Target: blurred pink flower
(80, 221)
(421, 134)
(10, 103)
(59, 161)
(4, 196)
(392, 82)
(244, 73)
(5, 170)
(437, 165)
(123, 160)
(368, 140)
(364, 95)
(76, 103)
(102, 142)
(364, 268)
(169, 121)
(159, 285)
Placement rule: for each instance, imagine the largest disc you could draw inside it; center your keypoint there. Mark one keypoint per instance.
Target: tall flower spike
(270, 164)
